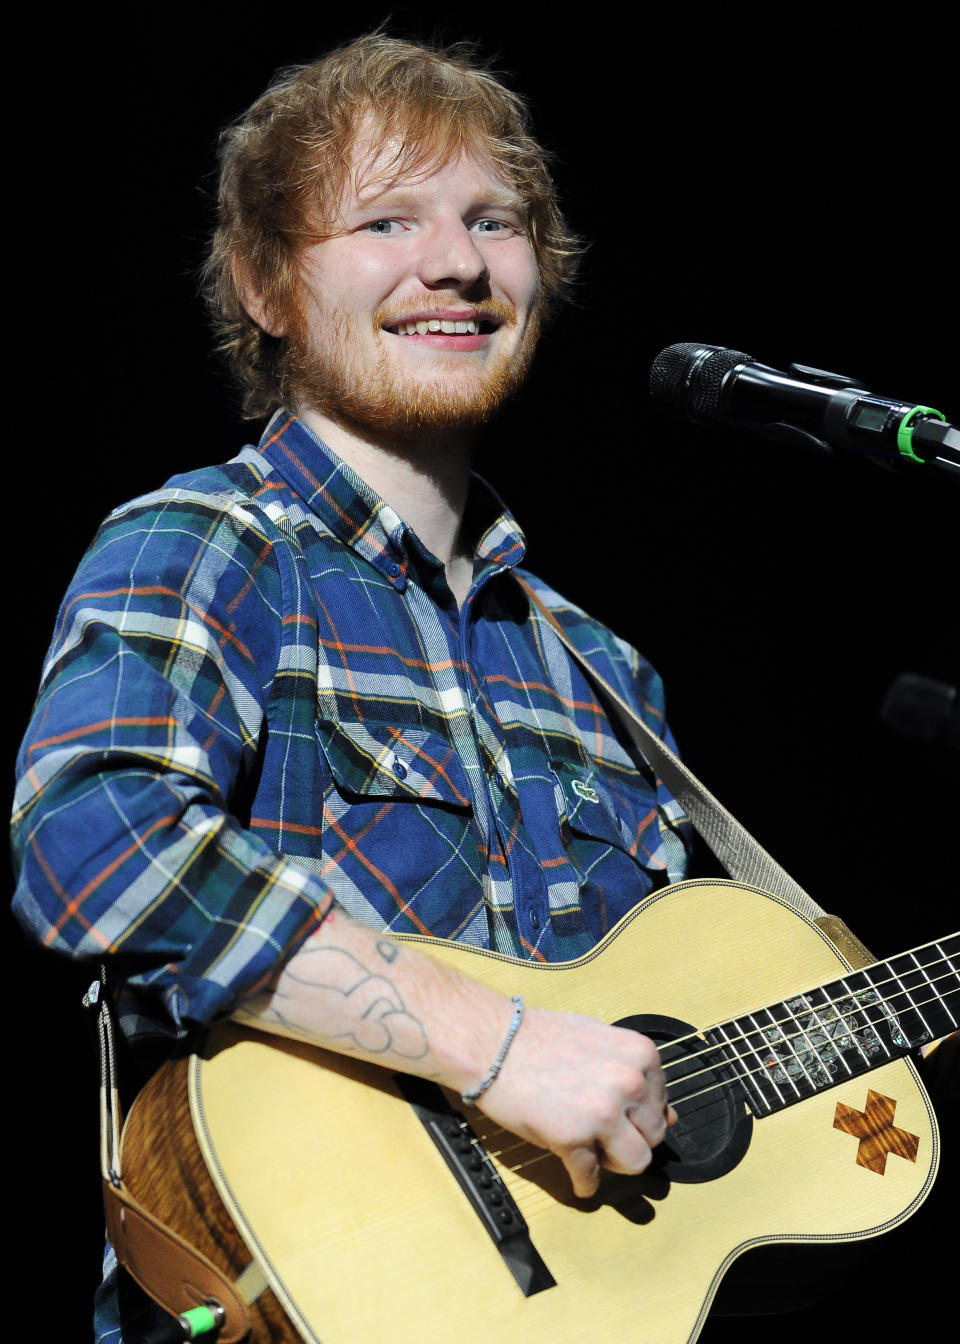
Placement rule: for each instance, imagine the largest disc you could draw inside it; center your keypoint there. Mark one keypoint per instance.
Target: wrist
(473, 1094)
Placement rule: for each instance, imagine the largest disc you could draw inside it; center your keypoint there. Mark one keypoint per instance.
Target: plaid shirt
(262, 692)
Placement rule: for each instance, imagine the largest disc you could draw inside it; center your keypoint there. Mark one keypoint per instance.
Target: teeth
(468, 327)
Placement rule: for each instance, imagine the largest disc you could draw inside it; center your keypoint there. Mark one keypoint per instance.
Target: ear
(251, 296)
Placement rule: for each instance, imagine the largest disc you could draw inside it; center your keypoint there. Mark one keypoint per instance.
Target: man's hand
(591, 1093)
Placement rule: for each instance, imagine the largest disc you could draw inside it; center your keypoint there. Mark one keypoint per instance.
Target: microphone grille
(688, 376)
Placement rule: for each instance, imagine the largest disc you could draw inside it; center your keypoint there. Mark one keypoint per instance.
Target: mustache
(497, 311)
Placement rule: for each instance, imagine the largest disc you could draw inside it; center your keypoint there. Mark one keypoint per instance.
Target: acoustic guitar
(360, 1205)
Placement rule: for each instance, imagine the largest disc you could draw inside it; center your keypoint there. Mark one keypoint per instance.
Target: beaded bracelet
(468, 1098)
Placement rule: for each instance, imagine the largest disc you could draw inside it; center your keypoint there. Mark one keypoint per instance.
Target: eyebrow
(393, 195)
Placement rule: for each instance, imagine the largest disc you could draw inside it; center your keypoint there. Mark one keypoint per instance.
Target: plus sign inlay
(876, 1131)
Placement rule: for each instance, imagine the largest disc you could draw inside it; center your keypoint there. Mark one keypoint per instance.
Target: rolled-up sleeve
(142, 757)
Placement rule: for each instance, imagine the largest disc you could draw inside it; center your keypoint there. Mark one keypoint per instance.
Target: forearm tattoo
(326, 993)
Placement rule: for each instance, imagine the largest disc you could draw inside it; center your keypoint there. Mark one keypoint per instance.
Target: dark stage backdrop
(776, 180)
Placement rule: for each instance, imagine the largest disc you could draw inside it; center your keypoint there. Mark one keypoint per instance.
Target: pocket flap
(386, 761)
(594, 810)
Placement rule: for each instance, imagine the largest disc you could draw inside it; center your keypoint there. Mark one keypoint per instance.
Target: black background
(772, 179)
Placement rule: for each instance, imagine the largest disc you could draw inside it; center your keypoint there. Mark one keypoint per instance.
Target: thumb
(583, 1168)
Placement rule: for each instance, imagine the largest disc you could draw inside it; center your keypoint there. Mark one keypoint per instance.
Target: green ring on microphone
(905, 430)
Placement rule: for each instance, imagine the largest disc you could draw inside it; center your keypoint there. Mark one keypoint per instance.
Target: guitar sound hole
(714, 1128)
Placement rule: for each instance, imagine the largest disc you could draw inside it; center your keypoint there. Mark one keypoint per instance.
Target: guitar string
(847, 994)
(732, 1058)
(735, 1057)
(842, 1015)
(788, 1039)
(742, 1058)
(526, 1199)
(683, 1100)
(762, 1071)
(676, 1101)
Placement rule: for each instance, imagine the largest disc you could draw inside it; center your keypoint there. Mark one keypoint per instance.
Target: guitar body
(341, 1196)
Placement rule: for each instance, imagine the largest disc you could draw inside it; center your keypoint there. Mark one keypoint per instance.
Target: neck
(790, 1050)
(425, 480)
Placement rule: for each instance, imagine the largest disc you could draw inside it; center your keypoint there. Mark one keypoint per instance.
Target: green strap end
(200, 1320)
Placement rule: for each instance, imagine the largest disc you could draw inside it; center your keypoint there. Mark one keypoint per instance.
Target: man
(303, 700)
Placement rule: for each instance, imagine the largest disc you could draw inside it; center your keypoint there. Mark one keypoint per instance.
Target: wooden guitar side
(363, 1233)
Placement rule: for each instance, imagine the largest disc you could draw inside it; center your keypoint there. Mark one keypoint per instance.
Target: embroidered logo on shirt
(585, 792)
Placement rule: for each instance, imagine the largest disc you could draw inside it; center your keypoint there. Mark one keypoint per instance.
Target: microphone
(826, 411)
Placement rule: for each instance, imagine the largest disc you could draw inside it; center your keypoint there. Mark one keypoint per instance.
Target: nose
(449, 256)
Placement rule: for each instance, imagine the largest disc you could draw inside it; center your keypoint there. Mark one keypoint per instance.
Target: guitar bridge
(479, 1180)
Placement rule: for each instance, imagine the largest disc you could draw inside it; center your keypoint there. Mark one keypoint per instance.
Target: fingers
(625, 1149)
(627, 1153)
(591, 1093)
(583, 1168)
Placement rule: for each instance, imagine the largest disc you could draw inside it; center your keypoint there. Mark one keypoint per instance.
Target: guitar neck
(790, 1050)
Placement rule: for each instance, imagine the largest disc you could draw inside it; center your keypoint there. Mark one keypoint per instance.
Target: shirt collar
(356, 514)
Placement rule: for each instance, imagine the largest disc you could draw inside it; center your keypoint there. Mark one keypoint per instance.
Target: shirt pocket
(610, 831)
(380, 760)
(399, 848)
(606, 810)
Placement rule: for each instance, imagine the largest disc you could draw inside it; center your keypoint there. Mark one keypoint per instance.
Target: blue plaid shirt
(262, 695)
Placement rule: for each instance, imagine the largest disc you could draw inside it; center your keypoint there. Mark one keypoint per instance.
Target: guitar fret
(930, 1005)
(768, 1074)
(921, 985)
(864, 996)
(942, 996)
(787, 1051)
(774, 1033)
(749, 1078)
(805, 1042)
(813, 1035)
(793, 1049)
(823, 1025)
(771, 1061)
(917, 997)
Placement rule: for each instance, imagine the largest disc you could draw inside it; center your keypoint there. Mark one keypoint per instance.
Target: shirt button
(534, 919)
(399, 769)
(501, 782)
(393, 569)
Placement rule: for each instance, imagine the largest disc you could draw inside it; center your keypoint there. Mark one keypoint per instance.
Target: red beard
(385, 399)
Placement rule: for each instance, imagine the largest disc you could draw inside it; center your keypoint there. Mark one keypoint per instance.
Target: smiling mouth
(470, 326)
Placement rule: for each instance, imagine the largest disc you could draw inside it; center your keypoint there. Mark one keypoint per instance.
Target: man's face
(421, 312)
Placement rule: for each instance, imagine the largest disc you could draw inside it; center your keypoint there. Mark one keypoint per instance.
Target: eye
(493, 226)
(383, 228)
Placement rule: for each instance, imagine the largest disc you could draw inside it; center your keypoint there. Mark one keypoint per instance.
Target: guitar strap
(165, 1266)
(733, 845)
(743, 858)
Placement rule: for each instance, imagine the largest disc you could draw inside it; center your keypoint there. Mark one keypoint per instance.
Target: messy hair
(285, 162)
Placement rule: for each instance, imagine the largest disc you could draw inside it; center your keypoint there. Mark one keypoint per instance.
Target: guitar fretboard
(792, 1049)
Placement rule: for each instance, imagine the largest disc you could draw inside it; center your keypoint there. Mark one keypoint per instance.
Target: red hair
(284, 164)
